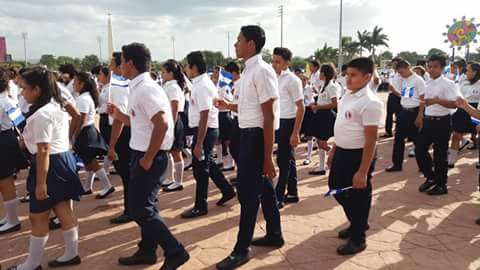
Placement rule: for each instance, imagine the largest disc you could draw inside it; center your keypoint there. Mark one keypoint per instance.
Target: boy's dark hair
(315, 63)
(344, 67)
(233, 67)
(139, 54)
(13, 73)
(197, 59)
(475, 67)
(68, 69)
(403, 64)
(462, 64)
(4, 79)
(96, 70)
(117, 57)
(441, 59)
(105, 71)
(255, 33)
(363, 64)
(285, 53)
(397, 59)
(421, 62)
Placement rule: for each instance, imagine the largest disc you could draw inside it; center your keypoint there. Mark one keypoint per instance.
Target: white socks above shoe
(321, 159)
(107, 163)
(70, 238)
(11, 218)
(104, 180)
(452, 156)
(188, 157)
(89, 182)
(167, 176)
(309, 149)
(178, 172)
(34, 259)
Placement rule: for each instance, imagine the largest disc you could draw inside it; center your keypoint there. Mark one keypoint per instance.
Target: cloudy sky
(71, 27)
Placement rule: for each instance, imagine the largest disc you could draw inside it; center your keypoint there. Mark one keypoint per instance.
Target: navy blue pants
(356, 203)
(393, 108)
(142, 198)
(254, 189)
(122, 164)
(286, 160)
(405, 129)
(205, 169)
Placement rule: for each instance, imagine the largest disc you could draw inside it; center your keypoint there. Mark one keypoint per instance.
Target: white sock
(167, 176)
(452, 157)
(309, 149)
(11, 209)
(179, 172)
(3, 220)
(107, 163)
(70, 238)
(102, 175)
(189, 140)
(321, 159)
(89, 183)
(34, 259)
(188, 157)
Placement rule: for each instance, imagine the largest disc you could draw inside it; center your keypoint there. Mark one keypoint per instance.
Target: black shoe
(53, 225)
(113, 172)
(451, 166)
(234, 181)
(87, 192)
(56, 263)
(291, 199)
(15, 228)
(351, 248)
(426, 186)
(280, 205)
(110, 191)
(193, 213)
(346, 233)
(15, 268)
(188, 167)
(393, 169)
(139, 258)
(473, 147)
(122, 219)
(386, 135)
(173, 263)
(323, 172)
(233, 261)
(25, 198)
(477, 166)
(268, 241)
(438, 190)
(477, 221)
(228, 169)
(226, 198)
(178, 188)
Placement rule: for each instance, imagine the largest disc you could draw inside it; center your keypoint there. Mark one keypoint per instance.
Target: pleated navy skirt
(89, 144)
(11, 156)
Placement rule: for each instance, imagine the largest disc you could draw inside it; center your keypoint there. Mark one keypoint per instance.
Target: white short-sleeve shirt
(146, 99)
(49, 124)
(355, 112)
(471, 92)
(411, 89)
(290, 89)
(175, 93)
(235, 91)
(315, 80)
(13, 91)
(203, 94)
(442, 88)
(259, 85)
(119, 97)
(6, 103)
(103, 98)
(308, 95)
(86, 105)
(66, 95)
(326, 95)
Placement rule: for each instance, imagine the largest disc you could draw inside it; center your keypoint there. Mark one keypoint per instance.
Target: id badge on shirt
(408, 92)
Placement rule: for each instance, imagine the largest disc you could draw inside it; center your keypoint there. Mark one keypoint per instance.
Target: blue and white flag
(15, 114)
(225, 79)
(475, 121)
(117, 80)
(336, 191)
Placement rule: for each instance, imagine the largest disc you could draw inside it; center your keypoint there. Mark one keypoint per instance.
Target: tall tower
(110, 36)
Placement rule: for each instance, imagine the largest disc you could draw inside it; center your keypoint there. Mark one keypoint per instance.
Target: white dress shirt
(6, 103)
(290, 89)
(175, 93)
(326, 95)
(471, 92)
(119, 95)
(203, 94)
(410, 89)
(442, 88)
(146, 99)
(86, 105)
(355, 112)
(259, 85)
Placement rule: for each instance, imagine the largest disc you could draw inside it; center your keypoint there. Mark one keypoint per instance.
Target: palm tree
(363, 40)
(377, 39)
(351, 48)
(326, 54)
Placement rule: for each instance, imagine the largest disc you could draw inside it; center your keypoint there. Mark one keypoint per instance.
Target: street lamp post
(24, 37)
(99, 40)
(280, 12)
(173, 46)
(340, 42)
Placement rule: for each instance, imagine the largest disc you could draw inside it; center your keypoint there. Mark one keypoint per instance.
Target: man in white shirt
(150, 118)
(440, 97)
(411, 89)
(315, 77)
(342, 80)
(393, 102)
(352, 158)
(258, 118)
(203, 118)
(119, 150)
(291, 117)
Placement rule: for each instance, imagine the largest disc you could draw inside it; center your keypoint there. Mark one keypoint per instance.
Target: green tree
(298, 62)
(411, 57)
(435, 51)
(267, 55)
(386, 55)
(48, 60)
(376, 39)
(363, 40)
(326, 54)
(90, 61)
(350, 48)
(214, 58)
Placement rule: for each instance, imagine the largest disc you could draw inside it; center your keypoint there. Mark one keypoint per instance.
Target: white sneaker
(307, 162)
(411, 153)
(175, 186)
(167, 182)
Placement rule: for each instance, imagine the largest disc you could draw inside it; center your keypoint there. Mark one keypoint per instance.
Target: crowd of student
(153, 126)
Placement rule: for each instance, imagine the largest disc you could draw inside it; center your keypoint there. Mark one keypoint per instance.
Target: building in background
(3, 49)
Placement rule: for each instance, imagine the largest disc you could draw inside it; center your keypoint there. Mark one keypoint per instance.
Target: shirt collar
(170, 83)
(284, 73)
(361, 92)
(252, 60)
(199, 78)
(137, 80)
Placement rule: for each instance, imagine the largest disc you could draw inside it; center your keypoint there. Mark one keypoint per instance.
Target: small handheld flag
(225, 78)
(336, 191)
(15, 114)
(475, 121)
(118, 81)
